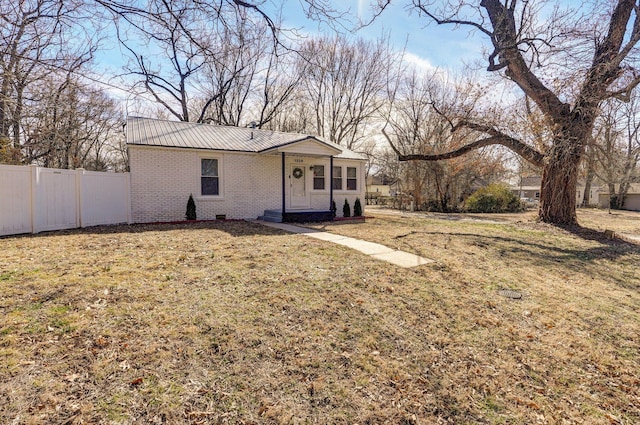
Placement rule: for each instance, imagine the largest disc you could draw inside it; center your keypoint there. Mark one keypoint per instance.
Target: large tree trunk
(559, 184)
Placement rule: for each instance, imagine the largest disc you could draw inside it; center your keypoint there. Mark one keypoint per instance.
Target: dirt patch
(240, 323)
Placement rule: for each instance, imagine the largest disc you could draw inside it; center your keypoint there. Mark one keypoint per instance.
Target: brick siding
(163, 178)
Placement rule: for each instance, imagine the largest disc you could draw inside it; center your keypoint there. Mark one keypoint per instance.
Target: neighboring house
(237, 173)
(593, 196)
(529, 188)
(379, 185)
(631, 201)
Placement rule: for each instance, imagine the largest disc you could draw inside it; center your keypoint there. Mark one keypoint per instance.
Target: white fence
(35, 199)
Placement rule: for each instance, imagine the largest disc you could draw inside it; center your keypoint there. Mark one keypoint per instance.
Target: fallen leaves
(249, 336)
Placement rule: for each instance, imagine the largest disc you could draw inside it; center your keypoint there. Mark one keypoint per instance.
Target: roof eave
(279, 148)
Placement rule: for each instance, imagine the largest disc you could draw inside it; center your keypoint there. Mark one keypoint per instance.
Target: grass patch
(237, 323)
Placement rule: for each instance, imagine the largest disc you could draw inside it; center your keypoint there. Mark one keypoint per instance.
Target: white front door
(298, 186)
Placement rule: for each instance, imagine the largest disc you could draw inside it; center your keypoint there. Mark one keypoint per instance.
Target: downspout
(331, 185)
(283, 185)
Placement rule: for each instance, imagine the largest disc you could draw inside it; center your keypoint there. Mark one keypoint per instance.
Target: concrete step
(271, 219)
(274, 216)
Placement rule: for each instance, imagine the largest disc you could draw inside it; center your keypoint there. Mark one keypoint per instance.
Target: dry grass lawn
(237, 323)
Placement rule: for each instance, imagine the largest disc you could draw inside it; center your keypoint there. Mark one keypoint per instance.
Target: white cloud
(420, 63)
(361, 5)
(424, 66)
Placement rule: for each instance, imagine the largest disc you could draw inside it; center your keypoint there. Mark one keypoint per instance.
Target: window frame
(219, 177)
(354, 178)
(335, 178)
(322, 178)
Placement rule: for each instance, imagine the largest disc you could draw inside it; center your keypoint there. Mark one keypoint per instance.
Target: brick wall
(163, 178)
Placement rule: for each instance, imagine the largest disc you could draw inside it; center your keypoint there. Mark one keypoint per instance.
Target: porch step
(274, 216)
(293, 216)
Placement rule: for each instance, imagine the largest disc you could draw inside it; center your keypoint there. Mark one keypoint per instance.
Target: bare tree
(533, 44)
(38, 39)
(160, 35)
(204, 61)
(414, 124)
(72, 127)
(617, 147)
(242, 72)
(345, 85)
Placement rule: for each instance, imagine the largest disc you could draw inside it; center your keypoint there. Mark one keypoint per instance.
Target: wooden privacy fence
(36, 199)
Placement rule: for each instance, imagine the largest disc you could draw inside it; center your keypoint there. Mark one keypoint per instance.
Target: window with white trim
(209, 177)
(318, 177)
(352, 178)
(337, 178)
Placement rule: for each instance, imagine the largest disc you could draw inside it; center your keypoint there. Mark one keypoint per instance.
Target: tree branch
(506, 55)
(526, 152)
(257, 9)
(505, 40)
(531, 155)
(624, 94)
(609, 54)
(423, 8)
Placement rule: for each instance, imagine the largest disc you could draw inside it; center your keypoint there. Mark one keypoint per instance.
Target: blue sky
(427, 45)
(438, 46)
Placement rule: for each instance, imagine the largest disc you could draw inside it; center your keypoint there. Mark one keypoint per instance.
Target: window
(337, 178)
(209, 178)
(318, 177)
(352, 178)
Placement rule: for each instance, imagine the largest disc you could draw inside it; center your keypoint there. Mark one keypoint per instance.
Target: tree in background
(201, 62)
(72, 126)
(345, 83)
(616, 147)
(414, 124)
(39, 37)
(566, 61)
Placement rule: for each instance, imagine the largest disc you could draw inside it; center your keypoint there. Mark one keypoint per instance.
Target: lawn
(233, 322)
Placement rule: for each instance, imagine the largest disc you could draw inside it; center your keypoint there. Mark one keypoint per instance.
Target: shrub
(333, 207)
(357, 208)
(616, 202)
(494, 198)
(191, 208)
(346, 209)
(432, 205)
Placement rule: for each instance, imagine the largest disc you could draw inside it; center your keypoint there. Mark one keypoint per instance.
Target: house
(379, 185)
(529, 188)
(237, 173)
(631, 201)
(380, 189)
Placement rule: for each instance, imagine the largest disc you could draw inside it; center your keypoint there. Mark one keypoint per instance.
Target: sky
(426, 43)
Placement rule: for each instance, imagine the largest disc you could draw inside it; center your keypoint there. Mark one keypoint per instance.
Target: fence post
(127, 183)
(32, 196)
(79, 173)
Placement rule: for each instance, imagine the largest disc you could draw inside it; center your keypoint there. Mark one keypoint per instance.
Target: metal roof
(180, 134)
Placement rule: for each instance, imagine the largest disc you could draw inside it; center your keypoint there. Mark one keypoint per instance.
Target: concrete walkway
(375, 250)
